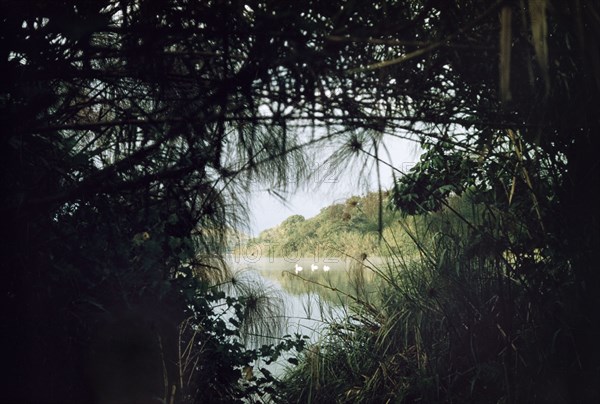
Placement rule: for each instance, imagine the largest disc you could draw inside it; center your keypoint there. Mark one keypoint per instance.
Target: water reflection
(312, 297)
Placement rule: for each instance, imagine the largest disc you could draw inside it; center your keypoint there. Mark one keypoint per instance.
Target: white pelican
(313, 267)
(298, 268)
(326, 268)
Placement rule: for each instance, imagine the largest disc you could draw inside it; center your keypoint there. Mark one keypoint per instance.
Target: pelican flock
(313, 268)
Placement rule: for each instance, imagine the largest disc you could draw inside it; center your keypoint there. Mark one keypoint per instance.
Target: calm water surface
(311, 298)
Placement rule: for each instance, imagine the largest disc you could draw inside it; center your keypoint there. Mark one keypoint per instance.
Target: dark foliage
(131, 129)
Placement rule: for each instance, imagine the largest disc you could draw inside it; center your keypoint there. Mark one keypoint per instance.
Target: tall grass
(459, 318)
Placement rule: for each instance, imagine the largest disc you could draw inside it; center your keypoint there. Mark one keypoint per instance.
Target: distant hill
(348, 228)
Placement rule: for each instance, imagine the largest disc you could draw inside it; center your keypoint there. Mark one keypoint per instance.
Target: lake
(307, 301)
(310, 298)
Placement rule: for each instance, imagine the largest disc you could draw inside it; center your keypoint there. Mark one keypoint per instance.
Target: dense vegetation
(448, 323)
(341, 230)
(133, 129)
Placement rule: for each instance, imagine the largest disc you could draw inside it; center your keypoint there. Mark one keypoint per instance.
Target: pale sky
(267, 211)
